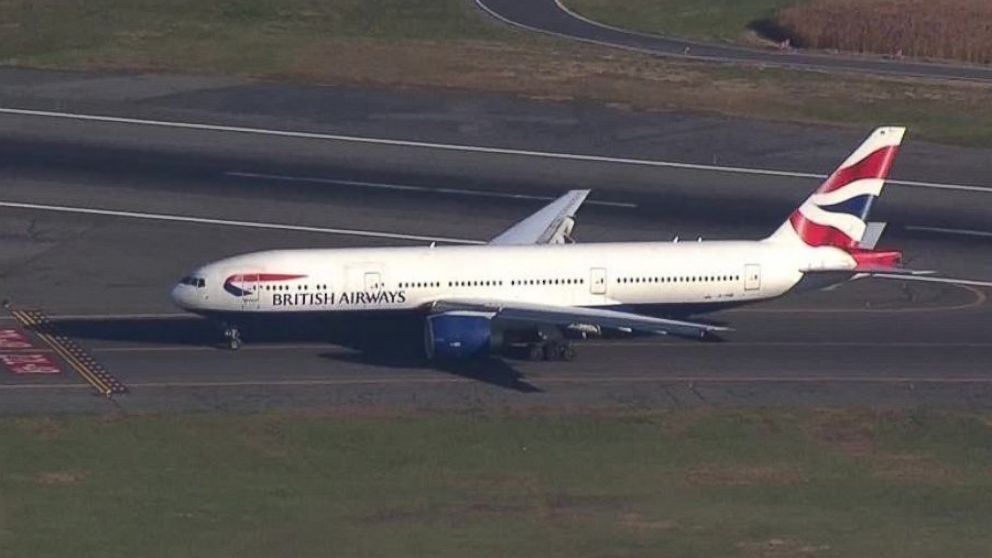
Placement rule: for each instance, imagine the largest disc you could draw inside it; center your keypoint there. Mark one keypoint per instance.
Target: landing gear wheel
(535, 351)
(233, 337)
(552, 351)
(558, 351)
(567, 353)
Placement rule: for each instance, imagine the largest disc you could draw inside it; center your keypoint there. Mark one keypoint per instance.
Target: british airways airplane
(533, 286)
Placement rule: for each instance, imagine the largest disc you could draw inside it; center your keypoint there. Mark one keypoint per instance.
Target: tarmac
(100, 217)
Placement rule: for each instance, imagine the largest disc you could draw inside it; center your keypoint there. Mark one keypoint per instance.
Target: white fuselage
(692, 274)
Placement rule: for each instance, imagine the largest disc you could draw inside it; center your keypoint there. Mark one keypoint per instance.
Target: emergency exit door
(752, 277)
(373, 282)
(597, 281)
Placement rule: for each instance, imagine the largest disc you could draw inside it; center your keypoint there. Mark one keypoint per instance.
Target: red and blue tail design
(837, 212)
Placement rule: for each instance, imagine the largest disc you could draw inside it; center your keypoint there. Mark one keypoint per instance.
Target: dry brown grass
(942, 29)
(755, 475)
(781, 548)
(51, 478)
(915, 469)
(851, 433)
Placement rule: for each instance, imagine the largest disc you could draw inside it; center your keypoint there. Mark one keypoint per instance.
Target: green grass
(450, 44)
(714, 20)
(237, 34)
(690, 483)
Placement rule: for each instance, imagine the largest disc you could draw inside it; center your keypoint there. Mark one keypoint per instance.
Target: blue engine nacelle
(460, 335)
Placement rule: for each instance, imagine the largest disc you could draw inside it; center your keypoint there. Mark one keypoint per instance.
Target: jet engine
(460, 335)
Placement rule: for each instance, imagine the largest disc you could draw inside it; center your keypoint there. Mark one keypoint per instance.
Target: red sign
(29, 363)
(13, 339)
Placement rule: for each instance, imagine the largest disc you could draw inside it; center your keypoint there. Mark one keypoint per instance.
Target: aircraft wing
(572, 316)
(551, 225)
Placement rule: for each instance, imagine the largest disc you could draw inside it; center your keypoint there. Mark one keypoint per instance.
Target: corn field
(944, 29)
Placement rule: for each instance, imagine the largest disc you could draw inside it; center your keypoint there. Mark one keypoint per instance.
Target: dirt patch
(53, 478)
(781, 547)
(638, 522)
(42, 428)
(266, 440)
(394, 516)
(852, 433)
(498, 484)
(911, 468)
(566, 506)
(453, 515)
(711, 475)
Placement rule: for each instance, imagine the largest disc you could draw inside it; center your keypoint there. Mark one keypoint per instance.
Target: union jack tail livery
(837, 212)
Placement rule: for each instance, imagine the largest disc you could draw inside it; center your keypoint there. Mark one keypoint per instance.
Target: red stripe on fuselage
(876, 165)
(262, 277)
(277, 277)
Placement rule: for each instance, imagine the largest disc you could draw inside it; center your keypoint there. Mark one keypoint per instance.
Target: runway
(554, 17)
(102, 268)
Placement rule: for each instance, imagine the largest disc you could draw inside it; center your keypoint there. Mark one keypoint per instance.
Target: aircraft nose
(182, 296)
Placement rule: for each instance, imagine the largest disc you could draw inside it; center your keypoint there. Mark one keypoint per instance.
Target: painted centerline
(412, 188)
(463, 148)
(944, 230)
(229, 222)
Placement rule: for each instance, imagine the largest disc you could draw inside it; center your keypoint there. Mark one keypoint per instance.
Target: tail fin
(837, 212)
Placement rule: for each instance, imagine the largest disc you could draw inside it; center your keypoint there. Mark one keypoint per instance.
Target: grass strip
(682, 483)
(450, 44)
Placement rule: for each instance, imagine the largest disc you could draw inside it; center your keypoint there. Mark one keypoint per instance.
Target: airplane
(533, 286)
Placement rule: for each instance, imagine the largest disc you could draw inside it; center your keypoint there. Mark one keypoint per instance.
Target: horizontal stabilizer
(874, 270)
(870, 270)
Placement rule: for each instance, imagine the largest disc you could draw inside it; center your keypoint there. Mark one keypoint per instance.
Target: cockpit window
(197, 282)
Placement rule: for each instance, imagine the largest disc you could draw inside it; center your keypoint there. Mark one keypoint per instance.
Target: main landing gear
(551, 350)
(233, 336)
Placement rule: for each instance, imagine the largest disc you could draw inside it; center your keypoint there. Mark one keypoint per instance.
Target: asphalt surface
(104, 279)
(548, 16)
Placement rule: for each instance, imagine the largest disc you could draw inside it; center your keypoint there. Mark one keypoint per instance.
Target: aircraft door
(361, 280)
(251, 299)
(373, 282)
(752, 277)
(597, 281)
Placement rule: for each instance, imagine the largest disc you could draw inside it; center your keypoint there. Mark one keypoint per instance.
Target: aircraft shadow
(492, 371)
(387, 341)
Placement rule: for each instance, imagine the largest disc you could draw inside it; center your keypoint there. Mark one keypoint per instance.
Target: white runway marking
(942, 280)
(728, 346)
(230, 223)
(546, 380)
(962, 232)
(137, 316)
(411, 188)
(464, 148)
(687, 378)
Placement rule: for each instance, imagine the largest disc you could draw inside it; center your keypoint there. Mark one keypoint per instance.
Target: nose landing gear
(233, 336)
